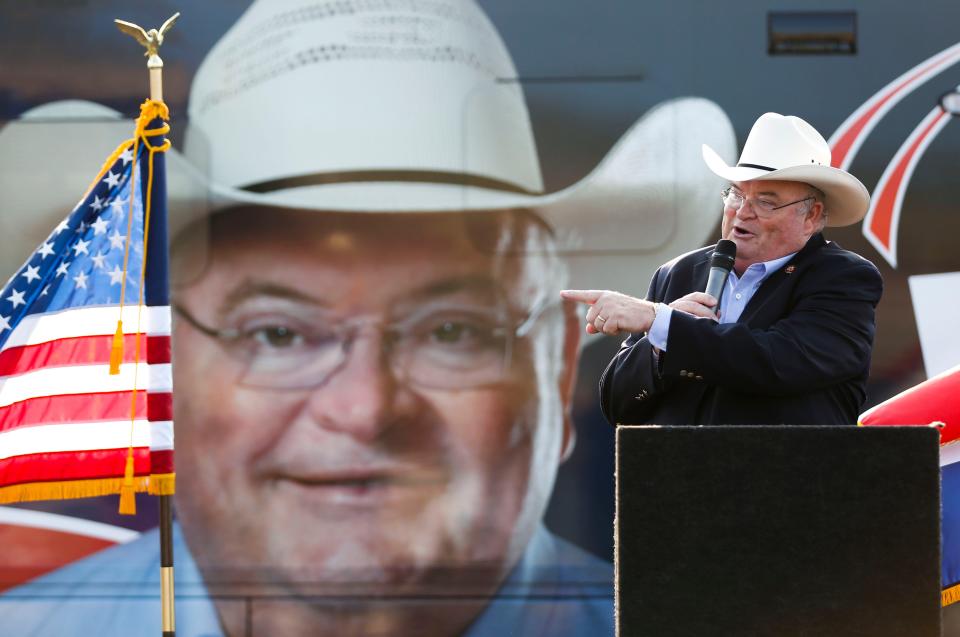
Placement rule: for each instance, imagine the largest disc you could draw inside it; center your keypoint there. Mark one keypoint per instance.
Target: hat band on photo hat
(645, 202)
(373, 176)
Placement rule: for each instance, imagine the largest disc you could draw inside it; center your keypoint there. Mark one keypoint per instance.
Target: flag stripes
(88, 321)
(56, 466)
(85, 379)
(75, 436)
(86, 408)
(82, 350)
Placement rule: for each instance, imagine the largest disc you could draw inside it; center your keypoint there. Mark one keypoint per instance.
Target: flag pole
(151, 41)
(166, 565)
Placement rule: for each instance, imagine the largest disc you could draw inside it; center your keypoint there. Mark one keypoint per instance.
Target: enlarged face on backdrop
(766, 236)
(365, 398)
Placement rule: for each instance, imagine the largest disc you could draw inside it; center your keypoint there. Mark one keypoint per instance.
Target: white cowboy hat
(785, 147)
(303, 104)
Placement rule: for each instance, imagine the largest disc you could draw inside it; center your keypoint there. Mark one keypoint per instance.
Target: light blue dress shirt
(736, 294)
(556, 590)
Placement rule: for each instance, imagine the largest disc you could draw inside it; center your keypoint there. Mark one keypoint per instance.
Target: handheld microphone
(720, 265)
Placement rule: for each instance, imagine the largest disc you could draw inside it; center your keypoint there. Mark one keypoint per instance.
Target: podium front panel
(778, 532)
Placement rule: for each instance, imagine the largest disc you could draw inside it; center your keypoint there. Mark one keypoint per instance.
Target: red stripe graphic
(48, 410)
(881, 223)
(72, 465)
(39, 551)
(84, 350)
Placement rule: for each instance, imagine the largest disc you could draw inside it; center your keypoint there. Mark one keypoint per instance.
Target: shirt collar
(766, 268)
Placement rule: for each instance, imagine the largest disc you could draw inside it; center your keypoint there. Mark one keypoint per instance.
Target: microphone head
(724, 254)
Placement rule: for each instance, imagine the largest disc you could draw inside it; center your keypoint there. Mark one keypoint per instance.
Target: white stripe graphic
(85, 436)
(88, 321)
(66, 524)
(85, 379)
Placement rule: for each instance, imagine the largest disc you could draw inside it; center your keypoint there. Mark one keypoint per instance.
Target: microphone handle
(715, 283)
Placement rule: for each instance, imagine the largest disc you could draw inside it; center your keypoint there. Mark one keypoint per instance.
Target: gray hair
(818, 195)
(518, 239)
(524, 240)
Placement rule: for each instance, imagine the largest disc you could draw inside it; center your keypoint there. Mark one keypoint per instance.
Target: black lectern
(778, 532)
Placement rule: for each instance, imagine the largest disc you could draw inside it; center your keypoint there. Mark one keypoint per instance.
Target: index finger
(583, 296)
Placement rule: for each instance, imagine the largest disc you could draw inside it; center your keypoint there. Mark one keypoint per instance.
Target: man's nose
(360, 398)
(745, 211)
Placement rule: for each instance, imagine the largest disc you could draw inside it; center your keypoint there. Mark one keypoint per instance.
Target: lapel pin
(789, 269)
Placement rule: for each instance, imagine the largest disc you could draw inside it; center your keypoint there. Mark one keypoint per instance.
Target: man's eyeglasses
(764, 208)
(440, 346)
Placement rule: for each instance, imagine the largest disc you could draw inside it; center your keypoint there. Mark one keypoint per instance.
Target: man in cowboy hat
(792, 341)
(373, 375)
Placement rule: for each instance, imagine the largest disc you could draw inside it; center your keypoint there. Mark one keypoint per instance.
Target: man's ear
(567, 379)
(815, 217)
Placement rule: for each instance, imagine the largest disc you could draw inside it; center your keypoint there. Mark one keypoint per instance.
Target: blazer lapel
(766, 290)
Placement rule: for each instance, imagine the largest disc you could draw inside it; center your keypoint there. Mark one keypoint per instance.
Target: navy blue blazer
(799, 354)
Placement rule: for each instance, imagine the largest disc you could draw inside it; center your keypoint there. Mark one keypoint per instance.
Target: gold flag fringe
(950, 595)
(162, 484)
(159, 484)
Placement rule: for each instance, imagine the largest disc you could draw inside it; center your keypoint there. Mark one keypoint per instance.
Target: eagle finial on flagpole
(151, 41)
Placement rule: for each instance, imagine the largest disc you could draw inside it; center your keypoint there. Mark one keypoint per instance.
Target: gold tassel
(116, 350)
(128, 503)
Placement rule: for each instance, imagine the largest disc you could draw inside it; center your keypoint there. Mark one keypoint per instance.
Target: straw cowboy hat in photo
(352, 107)
(785, 147)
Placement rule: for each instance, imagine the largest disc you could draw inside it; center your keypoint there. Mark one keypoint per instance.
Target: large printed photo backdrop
(384, 412)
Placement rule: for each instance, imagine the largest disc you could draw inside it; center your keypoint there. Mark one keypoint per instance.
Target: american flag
(935, 401)
(67, 424)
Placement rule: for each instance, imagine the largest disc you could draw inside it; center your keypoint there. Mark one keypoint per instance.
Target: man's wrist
(659, 330)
